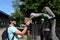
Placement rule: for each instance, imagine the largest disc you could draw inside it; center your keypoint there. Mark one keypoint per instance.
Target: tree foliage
(17, 14)
(25, 7)
(29, 6)
(55, 6)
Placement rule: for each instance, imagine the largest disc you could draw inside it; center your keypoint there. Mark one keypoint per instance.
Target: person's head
(12, 21)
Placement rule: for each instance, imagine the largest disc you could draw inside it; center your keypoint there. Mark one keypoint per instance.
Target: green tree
(55, 6)
(29, 6)
(17, 14)
(25, 7)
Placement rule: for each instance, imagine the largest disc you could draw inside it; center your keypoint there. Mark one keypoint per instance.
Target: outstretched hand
(28, 21)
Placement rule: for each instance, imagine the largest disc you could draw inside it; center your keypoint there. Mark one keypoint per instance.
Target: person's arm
(21, 33)
(25, 29)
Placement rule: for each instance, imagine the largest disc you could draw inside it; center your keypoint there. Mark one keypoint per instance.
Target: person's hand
(28, 21)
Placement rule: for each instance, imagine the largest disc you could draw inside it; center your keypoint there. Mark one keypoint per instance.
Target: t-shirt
(11, 31)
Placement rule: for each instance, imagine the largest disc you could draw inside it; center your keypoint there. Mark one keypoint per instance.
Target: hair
(9, 22)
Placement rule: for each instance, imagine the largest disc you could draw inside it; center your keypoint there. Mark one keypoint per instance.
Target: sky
(6, 6)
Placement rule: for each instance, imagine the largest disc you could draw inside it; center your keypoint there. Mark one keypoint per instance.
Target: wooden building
(4, 19)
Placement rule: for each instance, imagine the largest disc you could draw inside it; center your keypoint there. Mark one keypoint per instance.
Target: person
(13, 30)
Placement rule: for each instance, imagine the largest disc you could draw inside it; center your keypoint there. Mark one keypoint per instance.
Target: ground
(25, 36)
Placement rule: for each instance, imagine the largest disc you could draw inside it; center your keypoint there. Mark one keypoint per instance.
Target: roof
(4, 15)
